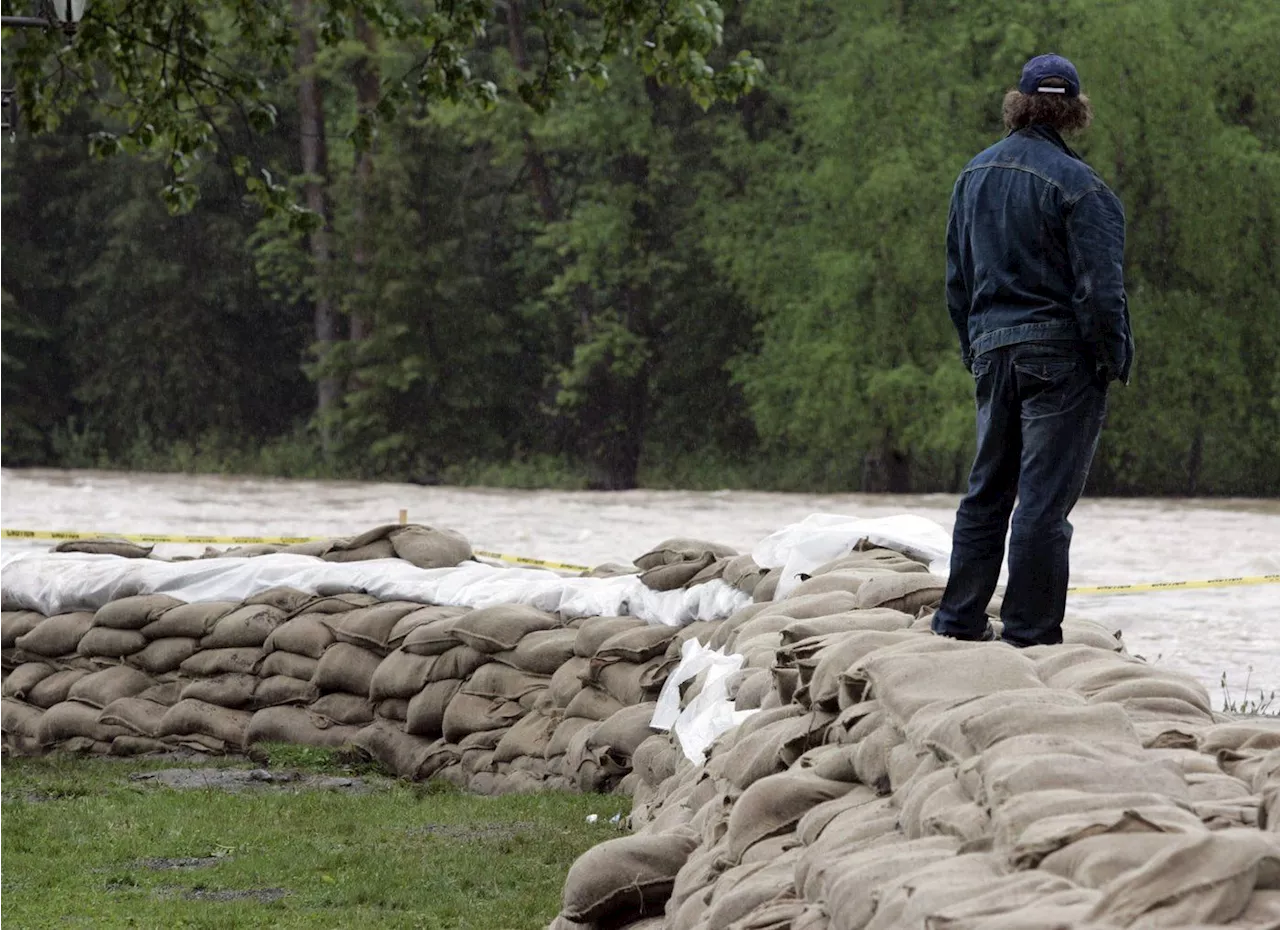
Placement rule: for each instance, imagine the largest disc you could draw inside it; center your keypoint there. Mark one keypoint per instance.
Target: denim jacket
(1035, 251)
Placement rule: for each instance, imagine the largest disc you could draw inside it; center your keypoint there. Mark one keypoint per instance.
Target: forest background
(639, 286)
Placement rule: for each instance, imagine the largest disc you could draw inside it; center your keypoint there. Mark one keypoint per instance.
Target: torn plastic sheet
(801, 547)
(711, 712)
(54, 583)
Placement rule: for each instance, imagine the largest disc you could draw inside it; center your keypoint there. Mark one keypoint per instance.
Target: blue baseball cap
(1042, 68)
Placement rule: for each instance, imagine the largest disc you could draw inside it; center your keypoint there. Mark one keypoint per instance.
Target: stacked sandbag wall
(503, 698)
(893, 779)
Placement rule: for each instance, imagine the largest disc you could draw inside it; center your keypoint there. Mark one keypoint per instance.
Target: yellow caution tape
(63, 535)
(539, 563)
(1176, 585)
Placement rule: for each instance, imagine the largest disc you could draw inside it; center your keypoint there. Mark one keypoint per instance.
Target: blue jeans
(1040, 411)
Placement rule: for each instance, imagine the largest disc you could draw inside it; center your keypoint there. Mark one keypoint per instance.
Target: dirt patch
(181, 862)
(252, 779)
(479, 831)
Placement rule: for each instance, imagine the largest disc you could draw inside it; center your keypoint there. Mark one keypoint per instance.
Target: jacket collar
(1050, 135)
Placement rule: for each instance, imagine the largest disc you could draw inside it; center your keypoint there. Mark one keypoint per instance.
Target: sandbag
(345, 667)
(408, 756)
(56, 636)
(25, 677)
(541, 652)
(371, 627)
(495, 680)
(188, 620)
(569, 729)
(136, 715)
(277, 690)
(295, 725)
(427, 708)
(568, 680)
(400, 675)
(208, 662)
(289, 601)
(20, 720)
(636, 645)
(459, 662)
(430, 547)
(15, 623)
(633, 684)
(774, 804)
(54, 688)
(72, 719)
(422, 616)
(500, 628)
(235, 689)
(433, 636)
(594, 704)
(246, 626)
(305, 635)
(190, 716)
(906, 592)
(110, 643)
(164, 655)
(101, 688)
(345, 709)
(290, 664)
(623, 732)
(527, 738)
(630, 875)
(594, 631)
(472, 713)
(133, 613)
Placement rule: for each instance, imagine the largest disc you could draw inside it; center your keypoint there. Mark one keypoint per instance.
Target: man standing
(1035, 287)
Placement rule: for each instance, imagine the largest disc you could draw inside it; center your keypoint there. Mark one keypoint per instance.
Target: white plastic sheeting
(60, 582)
(801, 547)
(711, 712)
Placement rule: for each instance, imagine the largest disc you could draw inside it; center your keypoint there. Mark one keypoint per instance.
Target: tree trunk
(367, 83)
(315, 165)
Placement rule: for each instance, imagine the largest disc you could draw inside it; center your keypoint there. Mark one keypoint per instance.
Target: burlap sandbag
(541, 652)
(393, 709)
(133, 613)
(1095, 861)
(1019, 772)
(408, 756)
(345, 709)
(190, 716)
(630, 875)
(335, 604)
(843, 580)
(288, 663)
(190, 620)
(305, 635)
(15, 623)
(472, 713)
(743, 889)
(459, 662)
(826, 682)
(569, 729)
(767, 586)
(400, 675)
(847, 882)
(623, 732)
(808, 606)
(850, 621)
(19, 682)
(634, 684)
(433, 636)
(681, 574)
(495, 680)
(161, 656)
(910, 899)
(106, 642)
(775, 804)
(1258, 734)
(427, 708)
(20, 719)
(906, 592)
(1204, 878)
(743, 573)
(136, 715)
(208, 662)
(371, 627)
(53, 689)
(1053, 832)
(289, 601)
(345, 667)
(636, 645)
(594, 631)
(422, 616)
(295, 725)
(247, 626)
(56, 636)
(277, 690)
(72, 719)
(500, 628)
(862, 826)
(940, 727)
(681, 549)
(568, 680)
(905, 682)
(529, 737)
(655, 759)
(235, 689)
(594, 704)
(430, 547)
(1095, 723)
(101, 688)
(374, 549)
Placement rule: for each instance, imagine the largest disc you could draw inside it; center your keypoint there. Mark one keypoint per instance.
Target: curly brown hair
(1063, 113)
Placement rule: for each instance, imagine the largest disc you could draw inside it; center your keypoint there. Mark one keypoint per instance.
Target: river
(1208, 633)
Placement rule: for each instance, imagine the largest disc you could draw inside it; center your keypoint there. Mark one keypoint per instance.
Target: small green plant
(1262, 705)
(345, 761)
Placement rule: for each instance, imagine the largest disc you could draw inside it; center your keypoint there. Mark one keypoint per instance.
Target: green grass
(83, 844)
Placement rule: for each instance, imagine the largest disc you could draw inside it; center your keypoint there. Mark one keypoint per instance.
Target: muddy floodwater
(1233, 630)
